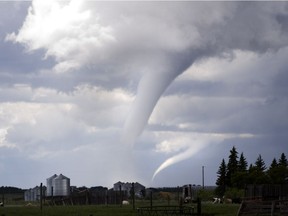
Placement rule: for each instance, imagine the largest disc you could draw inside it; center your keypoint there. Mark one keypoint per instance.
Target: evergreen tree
(232, 166)
(250, 167)
(252, 175)
(242, 163)
(239, 178)
(282, 171)
(283, 160)
(234, 175)
(274, 172)
(260, 164)
(257, 173)
(274, 164)
(221, 178)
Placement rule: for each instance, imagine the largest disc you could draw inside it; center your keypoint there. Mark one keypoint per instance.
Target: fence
(267, 191)
(271, 208)
(89, 197)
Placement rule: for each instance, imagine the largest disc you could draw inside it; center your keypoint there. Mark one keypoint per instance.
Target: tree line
(10, 190)
(235, 174)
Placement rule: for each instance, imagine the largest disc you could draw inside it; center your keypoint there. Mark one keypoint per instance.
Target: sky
(147, 92)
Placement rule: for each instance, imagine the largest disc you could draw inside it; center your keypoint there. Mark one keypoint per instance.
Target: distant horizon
(198, 186)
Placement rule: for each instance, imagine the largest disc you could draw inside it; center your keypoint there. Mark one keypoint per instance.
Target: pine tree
(234, 175)
(273, 172)
(282, 169)
(274, 164)
(260, 164)
(232, 166)
(283, 160)
(258, 172)
(239, 178)
(221, 178)
(242, 165)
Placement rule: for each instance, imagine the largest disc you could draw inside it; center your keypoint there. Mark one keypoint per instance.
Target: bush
(234, 193)
(205, 195)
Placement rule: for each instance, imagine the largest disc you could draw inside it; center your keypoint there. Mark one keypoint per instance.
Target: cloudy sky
(139, 91)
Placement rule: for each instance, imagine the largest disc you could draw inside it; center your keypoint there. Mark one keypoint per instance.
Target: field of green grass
(220, 209)
(66, 210)
(103, 210)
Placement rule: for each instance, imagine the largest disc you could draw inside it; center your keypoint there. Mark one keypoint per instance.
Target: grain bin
(49, 184)
(61, 185)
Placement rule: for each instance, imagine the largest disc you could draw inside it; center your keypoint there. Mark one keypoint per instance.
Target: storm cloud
(184, 75)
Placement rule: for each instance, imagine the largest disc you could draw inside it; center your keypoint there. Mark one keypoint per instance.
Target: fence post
(52, 195)
(151, 199)
(3, 198)
(198, 206)
(272, 208)
(121, 198)
(190, 193)
(178, 193)
(133, 195)
(41, 196)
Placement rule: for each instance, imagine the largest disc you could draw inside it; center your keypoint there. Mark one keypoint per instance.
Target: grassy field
(220, 209)
(66, 210)
(102, 210)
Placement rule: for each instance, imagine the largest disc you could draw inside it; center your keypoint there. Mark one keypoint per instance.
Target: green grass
(67, 210)
(103, 210)
(220, 209)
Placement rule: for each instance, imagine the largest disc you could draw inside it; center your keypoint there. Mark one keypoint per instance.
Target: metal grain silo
(49, 184)
(61, 185)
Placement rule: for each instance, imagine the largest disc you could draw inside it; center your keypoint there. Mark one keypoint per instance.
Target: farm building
(33, 194)
(58, 186)
(138, 188)
(189, 192)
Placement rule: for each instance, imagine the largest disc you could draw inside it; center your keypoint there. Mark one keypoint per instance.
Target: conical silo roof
(61, 177)
(52, 177)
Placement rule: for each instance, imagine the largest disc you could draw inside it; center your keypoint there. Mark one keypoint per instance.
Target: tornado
(174, 159)
(150, 88)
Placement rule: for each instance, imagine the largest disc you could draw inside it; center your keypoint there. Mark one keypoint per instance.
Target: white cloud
(239, 66)
(3, 142)
(43, 120)
(66, 30)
